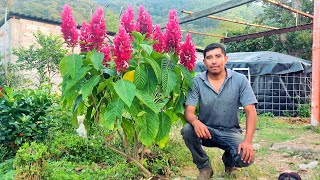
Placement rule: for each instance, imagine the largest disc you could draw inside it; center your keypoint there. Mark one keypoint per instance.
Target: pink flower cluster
(122, 50)
(144, 22)
(127, 20)
(172, 34)
(158, 36)
(92, 36)
(69, 27)
(98, 29)
(188, 53)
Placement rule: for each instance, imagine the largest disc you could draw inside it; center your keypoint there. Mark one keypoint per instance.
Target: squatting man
(218, 92)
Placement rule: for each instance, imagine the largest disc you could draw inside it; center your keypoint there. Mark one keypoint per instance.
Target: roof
(264, 62)
(48, 20)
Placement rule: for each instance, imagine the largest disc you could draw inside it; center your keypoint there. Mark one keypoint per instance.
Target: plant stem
(146, 173)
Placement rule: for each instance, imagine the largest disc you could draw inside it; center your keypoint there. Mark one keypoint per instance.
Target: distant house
(18, 30)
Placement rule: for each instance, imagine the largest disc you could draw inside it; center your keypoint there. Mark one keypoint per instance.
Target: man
(219, 92)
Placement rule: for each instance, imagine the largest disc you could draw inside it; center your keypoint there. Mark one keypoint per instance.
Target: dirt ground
(282, 156)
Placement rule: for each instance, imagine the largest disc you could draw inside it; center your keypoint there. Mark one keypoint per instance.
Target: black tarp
(264, 62)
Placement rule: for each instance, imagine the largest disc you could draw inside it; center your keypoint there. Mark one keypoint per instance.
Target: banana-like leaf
(126, 91)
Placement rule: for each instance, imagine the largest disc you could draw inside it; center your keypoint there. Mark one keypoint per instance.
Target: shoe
(229, 170)
(205, 173)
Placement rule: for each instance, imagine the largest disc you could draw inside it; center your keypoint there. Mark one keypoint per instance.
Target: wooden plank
(213, 10)
(289, 8)
(267, 33)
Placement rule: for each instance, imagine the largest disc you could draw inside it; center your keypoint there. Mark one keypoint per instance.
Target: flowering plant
(137, 85)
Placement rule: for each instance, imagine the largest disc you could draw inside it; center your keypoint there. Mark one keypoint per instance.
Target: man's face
(215, 61)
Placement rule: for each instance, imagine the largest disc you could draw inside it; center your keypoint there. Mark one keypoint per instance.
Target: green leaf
(113, 111)
(157, 56)
(137, 36)
(126, 91)
(77, 102)
(156, 68)
(79, 76)
(73, 64)
(96, 59)
(128, 128)
(63, 67)
(148, 127)
(152, 82)
(164, 127)
(186, 74)
(140, 77)
(147, 48)
(88, 86)
(147, 100)
(162, 103)
(179, 104)
(169, 81)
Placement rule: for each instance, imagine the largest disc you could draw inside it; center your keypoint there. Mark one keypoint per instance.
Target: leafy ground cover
(282, 144)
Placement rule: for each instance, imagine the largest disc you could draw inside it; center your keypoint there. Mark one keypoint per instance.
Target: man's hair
(289, 176)
(214, 46)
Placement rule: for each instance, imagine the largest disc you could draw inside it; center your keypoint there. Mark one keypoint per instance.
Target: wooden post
(315, 96)
(289, 8)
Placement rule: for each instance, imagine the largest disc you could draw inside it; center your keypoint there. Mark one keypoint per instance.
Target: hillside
(82, 10)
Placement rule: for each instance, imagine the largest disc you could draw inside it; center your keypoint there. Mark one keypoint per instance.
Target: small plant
(30, 161)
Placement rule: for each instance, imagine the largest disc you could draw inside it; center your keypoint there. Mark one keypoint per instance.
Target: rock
(311, 165)
(256, 146)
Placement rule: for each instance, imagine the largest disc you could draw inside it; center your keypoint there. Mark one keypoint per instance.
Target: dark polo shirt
(221, 109)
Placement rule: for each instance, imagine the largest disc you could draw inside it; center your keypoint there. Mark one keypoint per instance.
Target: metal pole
(4, 44)
(315, 96)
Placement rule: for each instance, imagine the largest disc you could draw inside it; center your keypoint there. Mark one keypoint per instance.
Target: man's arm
(200, 129)
(246, 145)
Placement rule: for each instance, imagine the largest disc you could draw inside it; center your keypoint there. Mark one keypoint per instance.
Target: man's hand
(201, 130)
(247, 152)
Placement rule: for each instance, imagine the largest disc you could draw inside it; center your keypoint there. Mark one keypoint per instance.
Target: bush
(71, 147)
(30, 161)
(6, 170)
(23, 117)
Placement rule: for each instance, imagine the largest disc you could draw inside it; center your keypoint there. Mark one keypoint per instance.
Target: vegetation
(43, 56)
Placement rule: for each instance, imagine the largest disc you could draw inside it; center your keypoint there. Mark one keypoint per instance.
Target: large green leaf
(147, 100)
(113, 111)
(137, 36)
(80, 73)
(88, 86)
(73, 64)
(169, 81)
(186, 74)
(148, 126)
(152, 82)
(140, 77)
(156, 68)
(147, 48)
(96, 59)
(63, 67)
(128, 128)
(164, 127)
(126, 91)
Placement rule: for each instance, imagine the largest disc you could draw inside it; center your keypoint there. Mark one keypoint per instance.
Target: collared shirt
(221, 109)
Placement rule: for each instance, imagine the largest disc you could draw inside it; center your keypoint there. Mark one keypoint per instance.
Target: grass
(270, 130)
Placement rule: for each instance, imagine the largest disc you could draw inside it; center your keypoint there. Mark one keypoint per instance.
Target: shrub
(71, 147)
(30, 161)
(23, 116)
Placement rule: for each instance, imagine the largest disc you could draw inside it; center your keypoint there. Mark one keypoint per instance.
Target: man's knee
(187, 131)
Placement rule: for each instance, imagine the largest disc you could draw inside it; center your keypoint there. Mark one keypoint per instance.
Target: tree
(44, 59)
(297, 43)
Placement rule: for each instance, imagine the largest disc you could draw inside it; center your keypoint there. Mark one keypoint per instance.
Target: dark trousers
(227, 140)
